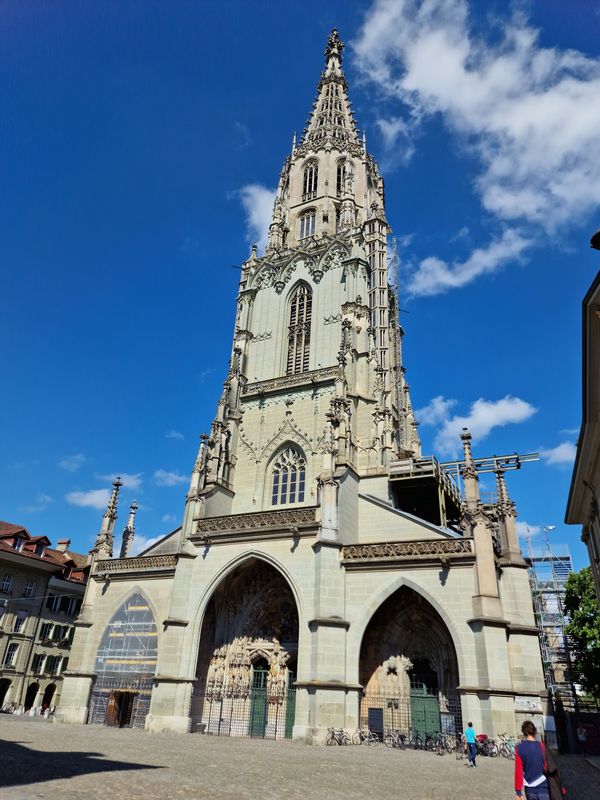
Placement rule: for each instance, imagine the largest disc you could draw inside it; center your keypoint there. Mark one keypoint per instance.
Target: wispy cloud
(94, 498)
(257, 201)
(168, 518)
(72, 463)
(163, 477)
(41, 503)
(435, 276)
(174, 435)
(483, 417)
(561, 455)
(141, 543)
(525, 529)
(527, 114)
(129, 481)
(242, 135)
(203, 374)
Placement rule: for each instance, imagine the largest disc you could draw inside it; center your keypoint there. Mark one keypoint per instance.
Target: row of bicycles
(440, 743)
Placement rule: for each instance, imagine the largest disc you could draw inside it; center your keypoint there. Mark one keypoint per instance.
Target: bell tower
(315, 375)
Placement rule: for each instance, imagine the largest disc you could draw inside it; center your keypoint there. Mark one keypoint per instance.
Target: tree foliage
(583, 630)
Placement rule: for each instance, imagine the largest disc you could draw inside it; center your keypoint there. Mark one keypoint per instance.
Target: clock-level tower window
(299, 330)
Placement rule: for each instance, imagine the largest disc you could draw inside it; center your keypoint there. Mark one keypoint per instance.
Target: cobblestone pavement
(62, 762)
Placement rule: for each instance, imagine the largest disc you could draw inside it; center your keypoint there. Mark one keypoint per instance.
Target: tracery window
(307, 224)
(299, 330)
(289, 477)
(311, 177)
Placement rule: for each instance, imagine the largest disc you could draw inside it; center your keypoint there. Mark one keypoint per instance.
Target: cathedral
(325, 573)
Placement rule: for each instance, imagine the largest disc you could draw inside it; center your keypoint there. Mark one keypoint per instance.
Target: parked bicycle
(507, 745)
(337, 736)
(365, 737)
(394, 738)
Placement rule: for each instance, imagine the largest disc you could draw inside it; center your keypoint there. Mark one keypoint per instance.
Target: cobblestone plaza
(40, 760)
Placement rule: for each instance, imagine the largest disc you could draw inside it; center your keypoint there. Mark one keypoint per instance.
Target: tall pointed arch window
(308, 223)
(311, 178)
(289, 477)
(299, 330)
(340, 176)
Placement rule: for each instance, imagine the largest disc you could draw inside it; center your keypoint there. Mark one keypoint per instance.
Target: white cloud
(169, 518)
(141, 543)
(482, 418)
(436, 411)
(174, 435)
(94, 498)
(164, 478)
(257, 201)
(41, 503)
(129, 481)
(524, 529)
(560, 455)
(434, 276)
(72, 463)
(528, 115)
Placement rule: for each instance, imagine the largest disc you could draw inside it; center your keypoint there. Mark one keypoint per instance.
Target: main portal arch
(247, 657)
(408, 669)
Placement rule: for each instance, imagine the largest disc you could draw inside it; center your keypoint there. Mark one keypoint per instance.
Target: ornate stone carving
(261, 337)
(333, 318)
(394, 551)
(289, 381)
(139, 563)
(284, 519)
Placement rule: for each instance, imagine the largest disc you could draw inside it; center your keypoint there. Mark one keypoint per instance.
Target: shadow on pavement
(20, 765)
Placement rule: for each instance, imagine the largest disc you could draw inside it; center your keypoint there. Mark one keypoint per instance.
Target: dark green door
(424, 713)
(259, 704)
(290, 706)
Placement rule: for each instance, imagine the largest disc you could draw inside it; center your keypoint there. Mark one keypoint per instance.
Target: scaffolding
(548, 574)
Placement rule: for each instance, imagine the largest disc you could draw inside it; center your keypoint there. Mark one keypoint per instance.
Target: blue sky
(138, 144)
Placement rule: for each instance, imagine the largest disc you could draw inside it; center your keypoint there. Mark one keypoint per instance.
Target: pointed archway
(32, 692)
(248, 654)
(125, 666)
(408, 668)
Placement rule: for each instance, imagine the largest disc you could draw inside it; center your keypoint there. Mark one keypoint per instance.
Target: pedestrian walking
(471, 744)
(582, 739)
(535, 768)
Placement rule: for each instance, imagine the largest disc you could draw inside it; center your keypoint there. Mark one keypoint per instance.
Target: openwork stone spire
(129, 531)
(331, 119)
(104, 541)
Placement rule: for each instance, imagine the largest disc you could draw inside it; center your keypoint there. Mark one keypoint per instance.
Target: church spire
(104, 541)
(128, 532)
(331, 118)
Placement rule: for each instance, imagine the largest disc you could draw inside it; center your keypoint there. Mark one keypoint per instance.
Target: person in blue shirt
(471, 744)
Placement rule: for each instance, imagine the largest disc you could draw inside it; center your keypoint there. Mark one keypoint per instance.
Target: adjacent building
(325, 572)
(41, 591)
(583, 506)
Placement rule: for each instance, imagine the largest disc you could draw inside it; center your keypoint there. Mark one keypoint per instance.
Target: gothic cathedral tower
(316, 387)
(325, 573)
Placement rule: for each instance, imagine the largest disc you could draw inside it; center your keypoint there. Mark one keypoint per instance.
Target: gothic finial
(294, 142)
(104, 541)
(128, 531)
(334, 46)
(466, 440)
(111, 508)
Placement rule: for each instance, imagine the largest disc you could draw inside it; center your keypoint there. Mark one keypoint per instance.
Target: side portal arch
(408, 669)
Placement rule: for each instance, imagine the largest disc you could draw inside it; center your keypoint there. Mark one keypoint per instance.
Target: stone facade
(41, 591)
(583, 507)
(319, 553)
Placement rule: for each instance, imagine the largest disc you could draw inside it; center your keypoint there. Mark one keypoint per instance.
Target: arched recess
(408, 668)
(125, 665)
(299, 328)
(31, 694)
(251, 619)
(4, 687)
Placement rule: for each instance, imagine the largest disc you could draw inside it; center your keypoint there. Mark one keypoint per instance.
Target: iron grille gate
(419, 713)
(254, 713)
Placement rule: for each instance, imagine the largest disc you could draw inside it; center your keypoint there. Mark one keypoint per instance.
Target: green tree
(581, 605)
